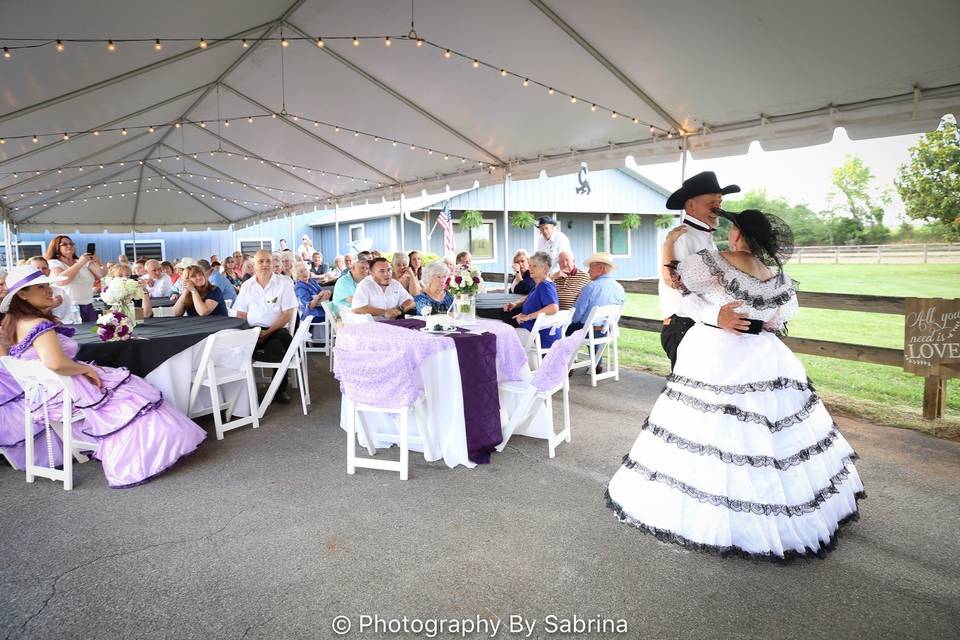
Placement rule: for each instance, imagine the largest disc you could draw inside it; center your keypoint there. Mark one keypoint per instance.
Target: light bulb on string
(151, 129)
(526, 81)
(573, 99)
(203, 43)
(550, 91)
(356, 41)
(176, 125)
(59, 46)
(226, 123)
(476, 64)
(123, 131)
(66, 136)
(156, 45)
(419, 42)
(284, 43)
(245, 43)
(250, 119)
(613, 114)
(320, 43)
(111, 47)
(36, 139)
(503, 73)
(446, 54)
(387, 42)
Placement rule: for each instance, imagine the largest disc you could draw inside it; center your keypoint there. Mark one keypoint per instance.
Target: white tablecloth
(440, 374)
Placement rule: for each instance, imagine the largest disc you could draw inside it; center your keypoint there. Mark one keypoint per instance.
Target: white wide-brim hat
(21, 277)
(602, 258)
(184, 263)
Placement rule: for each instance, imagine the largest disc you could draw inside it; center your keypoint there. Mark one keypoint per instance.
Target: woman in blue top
(434, 294)
(309, 293)
(200, 298)
(543, 299)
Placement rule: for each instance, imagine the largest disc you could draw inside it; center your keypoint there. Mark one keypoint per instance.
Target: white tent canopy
(709, 76)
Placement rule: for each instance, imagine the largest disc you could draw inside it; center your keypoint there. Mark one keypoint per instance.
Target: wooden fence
(934, 389)
(940, 253)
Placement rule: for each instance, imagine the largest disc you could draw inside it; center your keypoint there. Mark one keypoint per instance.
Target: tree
(807, 226)
(855, 198)
(930, 184)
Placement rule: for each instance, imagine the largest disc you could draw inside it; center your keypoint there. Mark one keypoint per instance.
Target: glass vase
(464, 310)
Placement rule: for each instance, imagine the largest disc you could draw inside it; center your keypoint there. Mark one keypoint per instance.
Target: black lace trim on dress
(736, 290)
(763, 385)
(746, 416)
(665, 535)
(745, 506)
(741, 459)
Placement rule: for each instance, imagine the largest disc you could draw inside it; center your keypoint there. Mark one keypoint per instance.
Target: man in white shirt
(267, 300)
(380, 295)
(158, 282)
(552, 241)
(698, 197)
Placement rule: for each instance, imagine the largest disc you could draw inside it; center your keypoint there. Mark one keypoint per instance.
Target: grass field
(880, 394)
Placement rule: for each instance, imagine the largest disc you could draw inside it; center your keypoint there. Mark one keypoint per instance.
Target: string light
(387, 42)
(35, 139)
(156, 45)
(203, 125)
(250, 119)
(203, 43)
(550, 91)
(284, 43)
(593, 107)
(123, 132)
(573, 99)
(526, 81)
(320, 42)
(503, 73)
(151, 129)
(59, 46)
(245, 43)
(476, 64)
(419, 42)
(613, 115)
(356, 41)
(111, 47)
(6, 53)
(226, 123)
(66, 136)
(446, 54)
(176, 125)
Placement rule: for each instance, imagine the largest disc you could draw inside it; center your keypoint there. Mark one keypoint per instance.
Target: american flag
(446, 222)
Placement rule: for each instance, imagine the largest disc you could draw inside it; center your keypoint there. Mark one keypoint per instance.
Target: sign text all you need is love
(931, 345)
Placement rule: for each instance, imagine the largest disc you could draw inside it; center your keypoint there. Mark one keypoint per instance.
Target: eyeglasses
(66, 244)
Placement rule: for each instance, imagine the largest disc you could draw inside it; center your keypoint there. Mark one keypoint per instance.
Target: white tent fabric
(723, 73)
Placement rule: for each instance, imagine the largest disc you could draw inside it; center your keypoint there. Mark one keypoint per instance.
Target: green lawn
(882, 394)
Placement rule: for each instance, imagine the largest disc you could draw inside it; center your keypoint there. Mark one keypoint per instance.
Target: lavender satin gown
(139, 436)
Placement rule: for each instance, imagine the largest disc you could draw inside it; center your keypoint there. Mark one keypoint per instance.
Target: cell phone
(91, 248)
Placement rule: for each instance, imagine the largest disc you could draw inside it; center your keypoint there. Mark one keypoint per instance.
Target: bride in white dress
(738, 455)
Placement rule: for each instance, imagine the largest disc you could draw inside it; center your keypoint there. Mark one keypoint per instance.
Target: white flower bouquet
(464, 280)
(114, 325)
(120, 292)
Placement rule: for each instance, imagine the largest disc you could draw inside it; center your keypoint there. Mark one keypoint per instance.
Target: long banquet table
(445, 367)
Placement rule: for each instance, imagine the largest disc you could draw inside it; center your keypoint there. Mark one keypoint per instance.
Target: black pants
(672, 334)
(273, 349)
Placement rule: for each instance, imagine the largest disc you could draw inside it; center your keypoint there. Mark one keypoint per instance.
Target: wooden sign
(931, 345)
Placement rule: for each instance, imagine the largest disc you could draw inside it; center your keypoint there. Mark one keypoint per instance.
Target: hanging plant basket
(665, 221)
(522, 220)
(630, 221)
(470, 219)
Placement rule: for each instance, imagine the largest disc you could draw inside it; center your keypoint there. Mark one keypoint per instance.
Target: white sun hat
(23, 276)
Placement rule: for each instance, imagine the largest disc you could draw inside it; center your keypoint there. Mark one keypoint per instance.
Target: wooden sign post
(931, 347)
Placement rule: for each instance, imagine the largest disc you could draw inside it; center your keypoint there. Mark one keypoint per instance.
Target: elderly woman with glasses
(434, 295)
(309, 293)
(78, 273)
(542, 300)
(404, 275)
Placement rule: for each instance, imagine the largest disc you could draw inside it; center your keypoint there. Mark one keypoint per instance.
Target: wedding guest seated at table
(140, 269)
(464, 258)
(200, 297)
(80, 273)
(306, 250)
(248, 270)
(601, 290)
(449, 261)
(61, 297)
(404, 275)
(139, 435)
(169, 271)
(309, 293)
(275, 264)
(267, 300)
(416, 265)
(230, 272)
(522, 281)
(218, 280)
(347, 284)
(347, 262)
(180, 267)
(338, 269)
(542, 300)
(434, 295)
(286, 262)
(123, 271)
(318, 270)
(159, 283)
(569, 280)
(123, 259)
(214, 258)
(380, 295)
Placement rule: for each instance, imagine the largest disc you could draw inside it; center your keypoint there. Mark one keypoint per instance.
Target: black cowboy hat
(704, 182)
(546, 220)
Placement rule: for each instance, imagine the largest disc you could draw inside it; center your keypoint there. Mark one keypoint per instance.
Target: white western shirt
(697, 238)
(370, 293)
(263, 305)
(162, 287)
(557, 244)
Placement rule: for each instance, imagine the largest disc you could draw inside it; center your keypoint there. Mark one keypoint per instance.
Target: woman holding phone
(78, 273)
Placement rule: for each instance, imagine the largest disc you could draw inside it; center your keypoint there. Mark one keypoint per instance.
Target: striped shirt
(568, 287)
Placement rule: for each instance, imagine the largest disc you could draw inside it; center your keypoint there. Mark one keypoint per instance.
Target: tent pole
(402, 248)
(7, 245)
(683, 159)
(134, 230)
(336, 227)
(293, 233)
(507, 262)
(260, 218)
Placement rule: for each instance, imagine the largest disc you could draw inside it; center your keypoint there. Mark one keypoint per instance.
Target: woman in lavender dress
(139, 436)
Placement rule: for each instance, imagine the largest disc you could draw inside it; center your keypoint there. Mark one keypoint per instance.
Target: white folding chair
(403, 438)
(330, 329)
(227, 358)
(349, 317)
(557, 322)
(162, 312)
(292, 360)
(39, 382)
(539, 390)
(603, 318)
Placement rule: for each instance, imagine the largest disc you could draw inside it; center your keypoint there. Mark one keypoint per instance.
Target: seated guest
(306, 250)
(380, 295)
(434, 295)
(347, 284)
(569, 280)
(602, 289)
(286, 262)
(64, 304)
(200, 297)
(402, 273)
(248, 270)
(214, 258)
(169, 271)
(464, 258)
(238, 259)
(449, 261)
(347, 262)
(180, 267)
(416, 264)
(230, 272)
(218, 280)
(267, 300)
(158, 282)
(317, 268)
(123, 259)
(309, 293)
(123, 271)
(275, 264)
(542, 300)
(522, 282)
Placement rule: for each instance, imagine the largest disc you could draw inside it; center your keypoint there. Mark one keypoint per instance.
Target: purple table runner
(477, 360)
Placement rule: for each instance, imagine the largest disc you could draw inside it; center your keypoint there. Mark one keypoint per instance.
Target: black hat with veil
(767, 235)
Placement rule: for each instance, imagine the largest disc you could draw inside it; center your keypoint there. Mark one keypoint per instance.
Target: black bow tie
(698, 227)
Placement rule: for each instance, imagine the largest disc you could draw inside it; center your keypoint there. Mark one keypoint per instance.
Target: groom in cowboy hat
(698, 197)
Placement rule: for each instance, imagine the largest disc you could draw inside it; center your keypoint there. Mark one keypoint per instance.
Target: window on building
(619, 238)
(24, 251)
(480, 241)
(249, 246)
(356, 232)
(149, 249)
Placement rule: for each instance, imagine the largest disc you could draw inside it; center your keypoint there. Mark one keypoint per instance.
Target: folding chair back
(330, 329)
(603, 337)
(292, 359)
(558, 323)
(227, 359)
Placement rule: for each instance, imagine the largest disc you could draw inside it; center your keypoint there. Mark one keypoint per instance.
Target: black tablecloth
(490, 306)
(154, 302)
(155, 341)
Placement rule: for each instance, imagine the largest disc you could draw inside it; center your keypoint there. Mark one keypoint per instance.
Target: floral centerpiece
(114, 325)
(463, 283)
(119, 293)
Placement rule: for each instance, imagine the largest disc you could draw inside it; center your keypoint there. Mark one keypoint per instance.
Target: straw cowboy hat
(21, 277)
(698, 185)
(602, 258)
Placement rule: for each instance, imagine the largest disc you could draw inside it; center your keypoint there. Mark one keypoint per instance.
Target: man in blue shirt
(347, 284)
(601, 290)
(219, 280)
